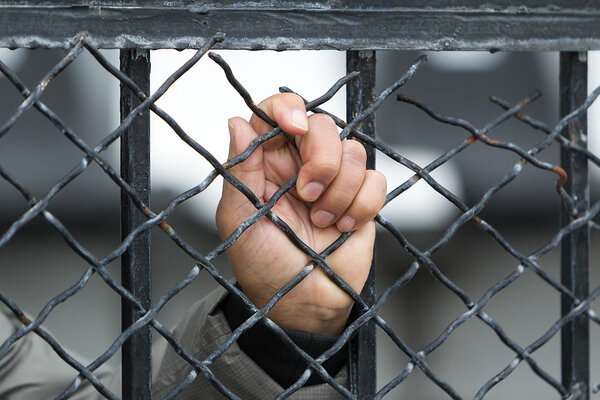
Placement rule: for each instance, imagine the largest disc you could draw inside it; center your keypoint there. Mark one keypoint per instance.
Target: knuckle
(278, 99)
(286, 100)
(370, 208)
(343, 197)
(354, 152)
(323, 120)
(379, 180)
(327, 168)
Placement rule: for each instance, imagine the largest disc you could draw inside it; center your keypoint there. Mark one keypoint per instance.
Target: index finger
(287, 110)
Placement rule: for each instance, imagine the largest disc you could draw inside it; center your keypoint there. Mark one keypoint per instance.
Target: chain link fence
(579, 219)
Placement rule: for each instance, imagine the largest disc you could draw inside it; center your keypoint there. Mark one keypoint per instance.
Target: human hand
(334, 193)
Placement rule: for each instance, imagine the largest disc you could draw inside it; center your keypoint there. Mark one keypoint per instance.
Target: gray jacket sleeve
(31, 370)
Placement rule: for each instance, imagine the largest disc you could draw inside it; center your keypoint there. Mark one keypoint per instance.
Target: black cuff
(267, 350)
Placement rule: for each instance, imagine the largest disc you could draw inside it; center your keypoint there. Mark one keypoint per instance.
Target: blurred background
(36, 264)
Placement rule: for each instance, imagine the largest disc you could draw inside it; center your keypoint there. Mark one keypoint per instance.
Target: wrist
(308, 317)
(297, 310)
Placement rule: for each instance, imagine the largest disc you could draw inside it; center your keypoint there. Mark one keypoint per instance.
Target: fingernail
(346, 224)
(323, 218)
(312, 191)
(299, 120)
(231, 129)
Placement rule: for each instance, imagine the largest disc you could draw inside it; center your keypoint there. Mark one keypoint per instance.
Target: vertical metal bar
(135, 263)
(575, 246)
(359, 94)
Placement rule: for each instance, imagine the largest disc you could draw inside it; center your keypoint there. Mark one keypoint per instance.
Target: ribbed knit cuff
(267, 350)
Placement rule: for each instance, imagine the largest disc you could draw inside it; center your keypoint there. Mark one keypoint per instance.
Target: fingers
(250, 172)
(366, 204)
(317, 139)
(341, 192)
(287, 110)
(355, 196)
(234, 206)
(332, 174)
(321, 154)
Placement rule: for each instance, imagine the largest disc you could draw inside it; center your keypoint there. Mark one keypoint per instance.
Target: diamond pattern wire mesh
(422, 258)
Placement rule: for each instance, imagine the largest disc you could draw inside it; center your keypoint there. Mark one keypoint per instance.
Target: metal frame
(136, 274)
(290, 24)
(575, 340)
(359, 94)
(570, 26)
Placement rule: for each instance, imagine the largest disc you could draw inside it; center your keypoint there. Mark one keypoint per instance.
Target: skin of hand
(334, 193)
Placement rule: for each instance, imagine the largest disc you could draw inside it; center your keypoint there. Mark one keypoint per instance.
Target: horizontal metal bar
(281, 25)
(495, 5)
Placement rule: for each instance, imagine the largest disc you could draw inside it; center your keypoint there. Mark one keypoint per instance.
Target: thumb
(234, 206)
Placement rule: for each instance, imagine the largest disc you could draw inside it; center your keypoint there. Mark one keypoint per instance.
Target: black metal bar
(575, 246)
(482, 5)
(459, 25)
(135, 267)
(359, 94)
